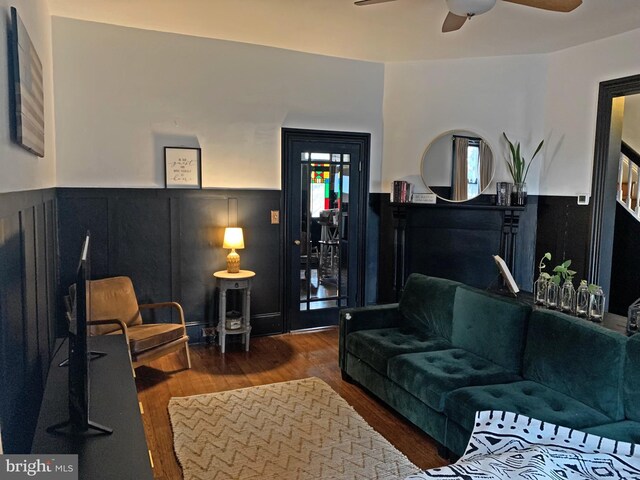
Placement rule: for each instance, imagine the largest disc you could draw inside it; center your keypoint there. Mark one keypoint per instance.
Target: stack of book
(401, 192)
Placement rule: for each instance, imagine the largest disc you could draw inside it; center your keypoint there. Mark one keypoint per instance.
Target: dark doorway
(325, 187)
(605, 175)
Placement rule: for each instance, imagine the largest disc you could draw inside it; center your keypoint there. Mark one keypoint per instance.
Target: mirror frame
(452, 132)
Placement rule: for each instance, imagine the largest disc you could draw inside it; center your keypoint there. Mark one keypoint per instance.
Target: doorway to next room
(325, 190)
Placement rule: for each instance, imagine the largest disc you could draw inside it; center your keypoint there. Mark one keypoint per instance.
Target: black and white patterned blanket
(506, 445)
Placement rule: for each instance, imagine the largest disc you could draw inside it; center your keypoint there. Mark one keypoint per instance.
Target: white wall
(631, 121)
(123, 93)
(571, 105)
(483, 95)
(22, 170)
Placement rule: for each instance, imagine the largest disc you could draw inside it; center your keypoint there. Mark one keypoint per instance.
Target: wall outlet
(583, 199)
(275, 217)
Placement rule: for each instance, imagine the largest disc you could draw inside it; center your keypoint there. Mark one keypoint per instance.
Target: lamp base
(233, 262)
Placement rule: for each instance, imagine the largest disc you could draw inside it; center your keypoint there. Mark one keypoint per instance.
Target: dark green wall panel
(27, 309)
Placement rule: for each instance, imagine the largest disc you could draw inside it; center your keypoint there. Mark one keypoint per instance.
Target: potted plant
(519, 169)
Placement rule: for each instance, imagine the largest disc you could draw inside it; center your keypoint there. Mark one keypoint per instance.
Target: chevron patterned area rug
(291, 430)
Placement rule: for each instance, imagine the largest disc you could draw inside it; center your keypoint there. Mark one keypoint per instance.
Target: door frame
(290, 135)
(604, 178)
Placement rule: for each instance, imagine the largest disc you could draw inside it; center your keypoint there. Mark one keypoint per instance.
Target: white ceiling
(396, 31)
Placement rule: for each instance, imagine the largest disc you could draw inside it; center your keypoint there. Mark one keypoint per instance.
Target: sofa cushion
(578, 358)
(526, 397)
(632, 379)
(427, 304)
(431, 375)
(375, 347)
(624, 431)
(490, 326)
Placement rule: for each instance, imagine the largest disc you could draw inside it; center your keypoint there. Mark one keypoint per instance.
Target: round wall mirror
(457, 165)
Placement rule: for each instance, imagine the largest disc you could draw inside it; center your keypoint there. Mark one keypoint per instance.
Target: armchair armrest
(114, 321)
(365, 318)
(175, 305)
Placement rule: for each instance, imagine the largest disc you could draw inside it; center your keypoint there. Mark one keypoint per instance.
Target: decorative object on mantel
(233, 239)
(402, 191)
(519, 169)
(633, 317)
(426, 198)
(182, 167)
(503, 194)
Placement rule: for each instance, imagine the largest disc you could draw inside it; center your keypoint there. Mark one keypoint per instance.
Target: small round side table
(234, 281)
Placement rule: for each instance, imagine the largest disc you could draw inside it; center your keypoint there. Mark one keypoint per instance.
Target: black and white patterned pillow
(507, 445)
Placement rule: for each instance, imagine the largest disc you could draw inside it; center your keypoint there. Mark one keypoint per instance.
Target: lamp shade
(233, 238)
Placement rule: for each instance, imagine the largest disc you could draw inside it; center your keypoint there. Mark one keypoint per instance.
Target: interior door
(324, 192)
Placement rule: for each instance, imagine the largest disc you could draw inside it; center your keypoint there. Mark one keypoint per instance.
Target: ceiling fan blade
(453, 22)
(553, 5)
(362, 3)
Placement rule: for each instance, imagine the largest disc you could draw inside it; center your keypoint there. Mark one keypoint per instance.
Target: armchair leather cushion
(113, 298)
(145, 337)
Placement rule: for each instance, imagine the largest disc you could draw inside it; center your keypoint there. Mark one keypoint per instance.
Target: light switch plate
(275, 217)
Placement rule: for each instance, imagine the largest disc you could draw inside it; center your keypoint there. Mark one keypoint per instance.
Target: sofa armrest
(365, 318)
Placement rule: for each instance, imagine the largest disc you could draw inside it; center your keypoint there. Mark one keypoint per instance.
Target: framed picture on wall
(182, 167)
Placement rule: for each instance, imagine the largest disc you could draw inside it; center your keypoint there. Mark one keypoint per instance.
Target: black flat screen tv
(79, 353)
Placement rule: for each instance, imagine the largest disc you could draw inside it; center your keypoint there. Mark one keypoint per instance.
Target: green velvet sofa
(448, 350)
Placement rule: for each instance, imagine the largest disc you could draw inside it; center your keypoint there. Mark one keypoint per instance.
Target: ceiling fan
(461, 10)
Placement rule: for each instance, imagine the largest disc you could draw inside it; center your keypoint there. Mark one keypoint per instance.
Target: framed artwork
(27, 90)
(506, 274)
(182, 167)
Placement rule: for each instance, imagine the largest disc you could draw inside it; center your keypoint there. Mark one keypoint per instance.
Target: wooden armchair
(114, 308)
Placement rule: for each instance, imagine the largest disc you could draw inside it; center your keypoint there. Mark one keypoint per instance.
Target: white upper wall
(631, 121)
(22, 170)
(571, 104)
(487, 96)
(122, 94)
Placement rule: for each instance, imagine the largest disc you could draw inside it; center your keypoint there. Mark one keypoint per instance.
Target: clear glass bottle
(553, 291)
(540, 290)
(582, 299)
(596, 305)
(567, 297)
(633, 318)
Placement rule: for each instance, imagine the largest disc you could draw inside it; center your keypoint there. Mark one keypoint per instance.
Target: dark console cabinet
(113, 402)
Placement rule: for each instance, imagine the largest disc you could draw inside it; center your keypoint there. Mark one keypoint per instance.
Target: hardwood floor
(271, 359)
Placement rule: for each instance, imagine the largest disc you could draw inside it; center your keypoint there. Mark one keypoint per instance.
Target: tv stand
(113, 401)
(58, 429)
(93, 355)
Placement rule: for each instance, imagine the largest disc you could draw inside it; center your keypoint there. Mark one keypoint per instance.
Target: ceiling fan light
(470, 7)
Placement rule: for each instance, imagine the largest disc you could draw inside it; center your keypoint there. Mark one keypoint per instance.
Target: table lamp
(233, 239)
